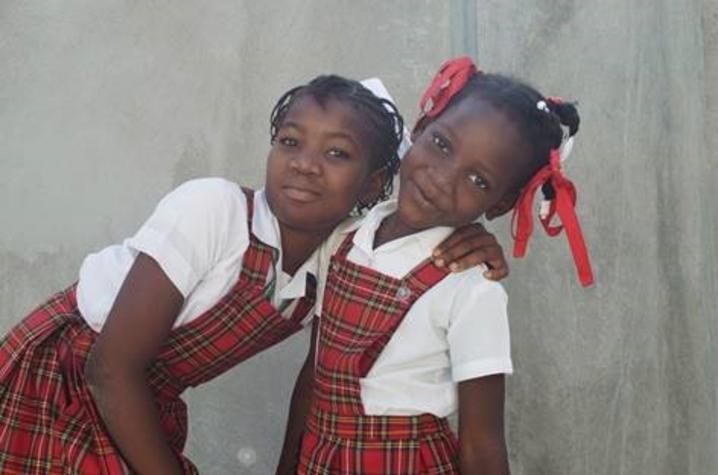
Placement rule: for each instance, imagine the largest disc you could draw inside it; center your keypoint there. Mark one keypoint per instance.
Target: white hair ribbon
(376, 86)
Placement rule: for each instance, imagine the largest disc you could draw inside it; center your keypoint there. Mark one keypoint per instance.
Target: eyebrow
(442, 129)
(338, 134)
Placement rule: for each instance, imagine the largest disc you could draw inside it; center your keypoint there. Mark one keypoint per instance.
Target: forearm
(128, 409)
(482, 446)
(298, 410)
(484, 458)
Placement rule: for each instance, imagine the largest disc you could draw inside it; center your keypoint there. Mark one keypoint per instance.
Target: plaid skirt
(377, 445)
(48, 421)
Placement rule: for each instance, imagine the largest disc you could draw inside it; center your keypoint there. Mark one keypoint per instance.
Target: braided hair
(380, 118)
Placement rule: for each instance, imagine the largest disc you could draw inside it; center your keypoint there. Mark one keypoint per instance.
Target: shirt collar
(266, 228)
(427, 239)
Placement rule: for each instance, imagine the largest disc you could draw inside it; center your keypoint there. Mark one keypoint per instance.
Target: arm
(469, 246)
(481, 426)
(136, 328)
(299, 408)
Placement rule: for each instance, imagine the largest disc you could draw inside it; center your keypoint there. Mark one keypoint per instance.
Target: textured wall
(105, 106)
(620, 378)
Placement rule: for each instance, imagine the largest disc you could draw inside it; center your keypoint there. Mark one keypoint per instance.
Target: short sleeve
(192, 228)
(478, 332)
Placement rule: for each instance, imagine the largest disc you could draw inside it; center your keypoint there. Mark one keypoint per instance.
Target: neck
(392, 227)
(298, 245)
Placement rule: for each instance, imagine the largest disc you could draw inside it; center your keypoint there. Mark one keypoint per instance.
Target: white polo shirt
(198, 235)
(457, 330)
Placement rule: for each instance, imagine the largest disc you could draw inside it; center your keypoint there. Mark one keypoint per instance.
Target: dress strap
(249, 194)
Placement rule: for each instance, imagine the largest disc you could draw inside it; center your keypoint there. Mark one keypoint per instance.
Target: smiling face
(467, 162)
(318, 167)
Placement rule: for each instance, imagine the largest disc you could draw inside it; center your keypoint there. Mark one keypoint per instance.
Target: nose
(306, 162)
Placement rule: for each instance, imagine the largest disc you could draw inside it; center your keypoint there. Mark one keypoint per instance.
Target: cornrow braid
(381, 119)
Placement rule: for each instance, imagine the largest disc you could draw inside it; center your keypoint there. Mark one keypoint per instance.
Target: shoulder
(208, 192)
(471, 283)
(472, 294)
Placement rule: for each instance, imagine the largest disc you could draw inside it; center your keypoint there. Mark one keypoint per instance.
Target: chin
(415, 218)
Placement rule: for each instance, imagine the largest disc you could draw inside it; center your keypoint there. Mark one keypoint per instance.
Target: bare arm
(298, 411)
(137, 326)
(481, 426)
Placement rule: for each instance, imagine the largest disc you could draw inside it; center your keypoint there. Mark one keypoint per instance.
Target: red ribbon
(450, 79)
(562, 204)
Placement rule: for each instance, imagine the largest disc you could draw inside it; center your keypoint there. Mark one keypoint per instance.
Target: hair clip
(543, 106)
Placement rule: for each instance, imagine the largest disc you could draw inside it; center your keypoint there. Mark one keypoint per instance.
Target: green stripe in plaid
(376, 428)
(48, 421)
(361, 310)
(374, 445)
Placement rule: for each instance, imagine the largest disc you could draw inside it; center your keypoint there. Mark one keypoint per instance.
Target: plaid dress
(362, 309)
(48, 421)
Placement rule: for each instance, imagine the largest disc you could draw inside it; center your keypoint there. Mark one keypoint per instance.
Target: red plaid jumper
(362, 309)
(48, 421)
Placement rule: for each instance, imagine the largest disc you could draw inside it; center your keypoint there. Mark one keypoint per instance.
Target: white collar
(266, 228)
(427, 239)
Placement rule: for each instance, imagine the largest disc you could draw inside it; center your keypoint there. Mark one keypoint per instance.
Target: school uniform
(396, 336)
(221, 248)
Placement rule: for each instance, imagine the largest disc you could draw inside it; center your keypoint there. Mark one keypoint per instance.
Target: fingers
(450, 248)
(498, 270)
(466, 254)
(469, 247)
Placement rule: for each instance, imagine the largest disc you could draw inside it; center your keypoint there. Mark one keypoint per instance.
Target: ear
(504, 205)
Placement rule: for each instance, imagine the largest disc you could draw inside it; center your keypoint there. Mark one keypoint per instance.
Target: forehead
(331, 115)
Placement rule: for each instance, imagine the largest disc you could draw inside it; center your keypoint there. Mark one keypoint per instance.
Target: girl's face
(463, 164)
(318, 167)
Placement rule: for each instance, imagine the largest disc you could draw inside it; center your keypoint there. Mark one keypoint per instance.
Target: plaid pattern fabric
(373, 445)
(48, 421)
(362, 309)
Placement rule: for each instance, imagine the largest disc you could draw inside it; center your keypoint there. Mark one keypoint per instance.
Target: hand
(469, 246)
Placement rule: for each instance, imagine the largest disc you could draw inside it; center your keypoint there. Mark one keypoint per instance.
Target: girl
(402, 343)
(90, 382)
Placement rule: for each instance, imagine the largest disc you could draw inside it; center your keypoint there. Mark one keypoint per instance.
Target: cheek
(470, 204)
(348, 180)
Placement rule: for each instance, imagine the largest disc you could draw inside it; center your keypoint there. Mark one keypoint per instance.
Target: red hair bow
(450, 79)
(562, 204)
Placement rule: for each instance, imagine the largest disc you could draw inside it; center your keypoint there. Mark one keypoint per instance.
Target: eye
(441, 143)
(337, 153)
(288, 141)
(478, 181)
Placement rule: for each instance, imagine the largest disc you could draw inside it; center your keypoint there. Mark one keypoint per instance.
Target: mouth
(300, 193)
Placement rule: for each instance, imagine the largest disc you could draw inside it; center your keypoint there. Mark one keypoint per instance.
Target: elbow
(97, 375)
(485, 457)
(104, 377)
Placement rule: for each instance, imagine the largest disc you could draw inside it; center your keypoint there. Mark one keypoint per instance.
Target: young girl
(90, 382)
(402, 343)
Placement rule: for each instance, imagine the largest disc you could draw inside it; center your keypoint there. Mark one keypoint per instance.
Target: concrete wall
(105, 106)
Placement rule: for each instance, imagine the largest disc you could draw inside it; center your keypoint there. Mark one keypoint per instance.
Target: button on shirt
(457, 330)
(198, 235)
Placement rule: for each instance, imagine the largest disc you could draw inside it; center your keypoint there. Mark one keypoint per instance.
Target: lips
(300, 193)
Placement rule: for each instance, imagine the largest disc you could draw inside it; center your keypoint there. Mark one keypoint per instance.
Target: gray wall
(105, 106)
